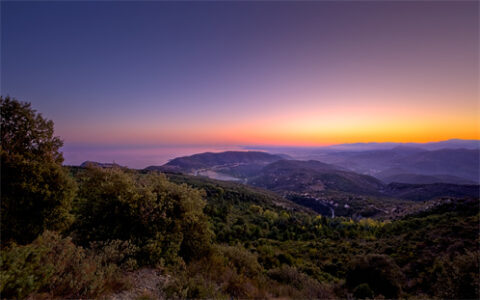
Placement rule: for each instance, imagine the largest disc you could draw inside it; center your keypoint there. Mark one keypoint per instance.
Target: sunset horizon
(253, 73)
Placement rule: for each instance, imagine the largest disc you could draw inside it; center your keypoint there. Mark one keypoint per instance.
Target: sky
(245, 73)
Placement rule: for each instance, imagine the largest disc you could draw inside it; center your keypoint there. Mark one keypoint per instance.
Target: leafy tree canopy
(162, 218)
(25, 132)
(36, 190)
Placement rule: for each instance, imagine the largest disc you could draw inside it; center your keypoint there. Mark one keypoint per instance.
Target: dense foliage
(80, 234)
(53, 266)
(164, 220)
(432, 253)
(36, 190)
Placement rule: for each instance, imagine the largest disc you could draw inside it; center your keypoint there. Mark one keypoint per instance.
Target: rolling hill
(230, 165)
(447, 144)
(445, 165)
(452, 161)
(421, 179)
(425, 192)
(333, 189)
(313, 176)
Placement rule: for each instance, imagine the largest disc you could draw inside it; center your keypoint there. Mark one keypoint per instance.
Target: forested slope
(81, 232)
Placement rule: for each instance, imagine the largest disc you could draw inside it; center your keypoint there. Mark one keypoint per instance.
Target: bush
(379, 272)
(363, 291)
(164, 220)
(120, 253)
(299, 284)
(242, 260)
(54, 266)
(226, 271)
(192, 287)
(457, 278)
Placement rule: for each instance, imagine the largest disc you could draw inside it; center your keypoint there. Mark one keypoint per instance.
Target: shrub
(363, 291)
(192, 287)
(303, 285)
(458, 277)
(164, 220)
(120, 253)
(225, 271)
(380, 272)
(55, 266)
(242, 260)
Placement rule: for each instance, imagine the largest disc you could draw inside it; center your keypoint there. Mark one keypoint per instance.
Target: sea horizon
(142, 156)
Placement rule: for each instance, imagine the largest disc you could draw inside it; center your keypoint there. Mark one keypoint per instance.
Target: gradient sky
(270, 73)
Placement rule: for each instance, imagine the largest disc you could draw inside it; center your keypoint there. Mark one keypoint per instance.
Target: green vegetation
(402, 255)
(36, 191)
(79, 232)
(164, 220)
(53, 266)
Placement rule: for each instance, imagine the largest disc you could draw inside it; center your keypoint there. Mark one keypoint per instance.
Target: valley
(330, 189)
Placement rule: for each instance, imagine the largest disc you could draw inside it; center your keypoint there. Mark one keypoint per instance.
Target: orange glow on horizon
(298, 132)
(367, 118)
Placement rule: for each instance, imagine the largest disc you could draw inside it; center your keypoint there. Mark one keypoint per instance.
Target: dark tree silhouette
(36, 190)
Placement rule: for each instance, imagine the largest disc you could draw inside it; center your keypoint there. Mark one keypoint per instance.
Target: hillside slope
(422, 179)
(229, 165)
(313, 176)
(461, 164)
(424, 192)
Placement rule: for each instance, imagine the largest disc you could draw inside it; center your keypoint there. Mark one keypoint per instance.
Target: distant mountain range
(425, 192)
(452, 161)
(345, 183)
(407, 163)
(313, 176)
(278, 173)
(422, 179)
(229, 165)
(448, 144)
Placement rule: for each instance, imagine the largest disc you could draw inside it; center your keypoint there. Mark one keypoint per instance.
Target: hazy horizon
(245, 73)
(142, 156)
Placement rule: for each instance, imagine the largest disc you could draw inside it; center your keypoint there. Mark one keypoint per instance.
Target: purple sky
(213, 73)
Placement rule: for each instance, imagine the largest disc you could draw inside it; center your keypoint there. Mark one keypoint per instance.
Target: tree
(163, 219)
(27, 133)
(36, 191)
